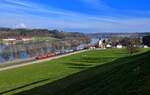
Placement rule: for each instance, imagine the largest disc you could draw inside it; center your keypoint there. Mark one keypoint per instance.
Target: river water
(15, 52)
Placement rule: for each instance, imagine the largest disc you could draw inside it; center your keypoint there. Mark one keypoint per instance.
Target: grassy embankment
(106, 72)
(44, 39)
(17, 62)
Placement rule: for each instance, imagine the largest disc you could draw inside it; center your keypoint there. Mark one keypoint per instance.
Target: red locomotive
(52, 54)
(45, 56)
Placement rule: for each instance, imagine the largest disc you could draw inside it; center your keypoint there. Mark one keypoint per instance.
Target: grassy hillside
(44, 39)
(107, 72)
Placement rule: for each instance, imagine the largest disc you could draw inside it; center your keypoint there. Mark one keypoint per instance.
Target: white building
(101, 43)
(9, 39)
(108, 46)
(119, 46)
(145, 46)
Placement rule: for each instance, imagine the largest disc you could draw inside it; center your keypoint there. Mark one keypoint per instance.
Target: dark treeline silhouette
(146, 40)
(9, 33)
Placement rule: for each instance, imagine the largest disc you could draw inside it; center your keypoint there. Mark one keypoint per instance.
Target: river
(15, 52)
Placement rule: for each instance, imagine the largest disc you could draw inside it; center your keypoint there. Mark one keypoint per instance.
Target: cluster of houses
(101, 44)
(18, 38)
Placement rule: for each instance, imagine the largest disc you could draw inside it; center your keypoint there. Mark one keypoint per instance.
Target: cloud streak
(21, 3)
(22, 13)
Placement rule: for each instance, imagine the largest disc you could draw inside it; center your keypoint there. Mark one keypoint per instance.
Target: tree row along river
(14, 52)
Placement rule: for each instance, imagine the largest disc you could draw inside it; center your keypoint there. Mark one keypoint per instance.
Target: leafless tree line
(32, 49)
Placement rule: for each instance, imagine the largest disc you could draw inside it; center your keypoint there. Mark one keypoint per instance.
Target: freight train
(45, 56)
(58, 53)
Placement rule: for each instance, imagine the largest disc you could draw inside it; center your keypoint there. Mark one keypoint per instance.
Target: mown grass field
(32, 40)
(99, 72)
(44, 39)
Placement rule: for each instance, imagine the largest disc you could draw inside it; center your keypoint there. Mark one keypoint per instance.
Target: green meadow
(97, 72)
(44, 39)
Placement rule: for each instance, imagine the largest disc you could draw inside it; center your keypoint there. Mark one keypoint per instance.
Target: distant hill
(109, 35)
(8, 33)
(1, 27)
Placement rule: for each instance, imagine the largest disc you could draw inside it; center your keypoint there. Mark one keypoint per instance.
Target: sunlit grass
(93, 74)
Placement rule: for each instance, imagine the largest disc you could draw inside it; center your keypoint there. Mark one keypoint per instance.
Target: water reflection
(19, 51)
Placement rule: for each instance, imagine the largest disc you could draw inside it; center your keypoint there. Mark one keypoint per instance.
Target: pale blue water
(2, 47)
(1, 59)
(24, 54)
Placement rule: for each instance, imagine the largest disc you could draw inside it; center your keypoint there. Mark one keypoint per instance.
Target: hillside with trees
(10, 33)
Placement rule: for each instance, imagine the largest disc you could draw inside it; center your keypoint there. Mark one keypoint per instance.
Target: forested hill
(110, 35)
(7, 32)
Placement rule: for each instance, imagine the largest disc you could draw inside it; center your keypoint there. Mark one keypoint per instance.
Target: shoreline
(15, 65)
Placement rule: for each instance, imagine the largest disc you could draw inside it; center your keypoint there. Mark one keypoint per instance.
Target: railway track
(39, 61)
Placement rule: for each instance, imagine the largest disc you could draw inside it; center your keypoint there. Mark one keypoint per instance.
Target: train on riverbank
(59, 53)
(45, 56)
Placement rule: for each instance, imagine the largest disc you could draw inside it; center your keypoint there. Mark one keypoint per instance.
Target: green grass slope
(124, 76)
(106, 72)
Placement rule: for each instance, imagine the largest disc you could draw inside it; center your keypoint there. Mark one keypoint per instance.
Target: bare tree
(132, 44)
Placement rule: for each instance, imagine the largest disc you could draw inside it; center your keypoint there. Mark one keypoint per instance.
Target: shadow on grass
(85, 63)
(77, 64)
(101, 78)
(96, 60)
(24, 86)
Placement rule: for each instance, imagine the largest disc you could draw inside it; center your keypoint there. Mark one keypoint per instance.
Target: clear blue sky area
(77, 15)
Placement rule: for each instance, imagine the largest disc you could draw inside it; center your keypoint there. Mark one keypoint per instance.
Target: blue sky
(77, 15)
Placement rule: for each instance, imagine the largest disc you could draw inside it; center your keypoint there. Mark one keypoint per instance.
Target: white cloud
(20, 2)
(22, 25)
(78, 24)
